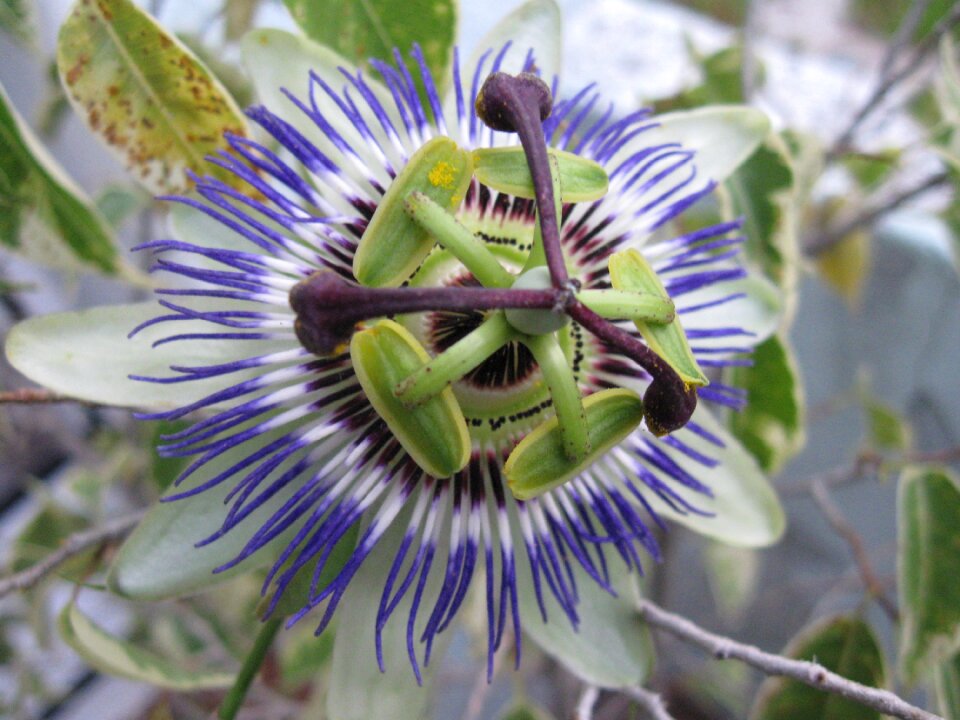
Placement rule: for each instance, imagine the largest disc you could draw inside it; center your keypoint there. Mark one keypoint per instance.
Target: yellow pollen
(442, 175)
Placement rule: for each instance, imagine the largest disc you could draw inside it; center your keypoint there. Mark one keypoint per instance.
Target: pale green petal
(746, 510)
(534, 25)
(610, 647)
(358, 690)
(159, 559)
(758, 313)
(87, 355)
(278, 60)
(723, 136)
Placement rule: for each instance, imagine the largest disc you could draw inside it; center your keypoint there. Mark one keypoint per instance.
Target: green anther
(537, 256)
(567, 401)
(506, 169)
(393, 245)
(535, 322)
(435, 433)
(623, 305)
(456, 361)
(538, 463)
(453, 236)
(630, 271)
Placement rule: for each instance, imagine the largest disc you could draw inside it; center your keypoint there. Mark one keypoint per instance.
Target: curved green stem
(251, 666)
(567, 401)
(628, 305)
(453, 236)
(456, 361)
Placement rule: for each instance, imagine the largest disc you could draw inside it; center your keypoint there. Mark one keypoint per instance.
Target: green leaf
(358, 690)
(746, 510)
(304, 656)
(42, 213)
(18, 19)
(762, 192)
(526, 712)
(87, 355)
(947, 82)
(771, 426)
(160, 559)
(845, 645)
(114, 656)
(44, 534)
(887, 429)
(723, 137)
(870, 170)
(928, 539)
(722, 74)
(845, 265)
(610, 647)
(948, 688)
(373, 28)
(144, 94)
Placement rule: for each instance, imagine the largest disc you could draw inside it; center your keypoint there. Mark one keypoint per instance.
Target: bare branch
(72, 546)
(650, 702)
(588, 699)
(809, 673)
(869, 462)
(846, 531)
(891, 79)
(35, 396)
(831, 237)
(911, 19)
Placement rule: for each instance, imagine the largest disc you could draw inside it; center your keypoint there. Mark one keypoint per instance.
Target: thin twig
(846, 531)
(870, 462)
(748, 65)
(72, 546)
(35, 396)
(588, 699)
(650, 702)
(809, 673)
(831, 237)
(893, 79)
(900, 39)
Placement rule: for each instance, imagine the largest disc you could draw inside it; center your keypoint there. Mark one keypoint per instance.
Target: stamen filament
(567, 401)
(456, 361)
(453, 236)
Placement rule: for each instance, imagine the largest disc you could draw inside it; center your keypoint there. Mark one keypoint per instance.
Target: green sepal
(394, 245)
(538, 463)
(629, 270)
(434, 433)
(506, 169)
(624, 305)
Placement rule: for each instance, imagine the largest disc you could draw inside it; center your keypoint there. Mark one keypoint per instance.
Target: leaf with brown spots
(144, 93)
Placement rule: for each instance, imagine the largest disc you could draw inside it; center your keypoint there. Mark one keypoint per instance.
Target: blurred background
(866, 248)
